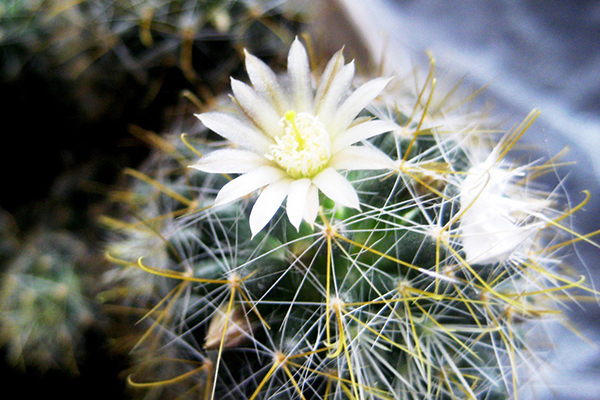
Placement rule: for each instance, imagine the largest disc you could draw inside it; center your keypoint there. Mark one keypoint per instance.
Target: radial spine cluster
(417, 289)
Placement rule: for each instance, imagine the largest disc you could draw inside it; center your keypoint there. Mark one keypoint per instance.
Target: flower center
(304, 149)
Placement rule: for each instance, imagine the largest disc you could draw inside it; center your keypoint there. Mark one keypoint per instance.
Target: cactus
(100, 53)
(45, 309)
(90, 68)
(93, 67)
(420, 271)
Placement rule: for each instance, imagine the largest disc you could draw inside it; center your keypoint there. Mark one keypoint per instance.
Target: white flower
(291, 139)
(498, 216)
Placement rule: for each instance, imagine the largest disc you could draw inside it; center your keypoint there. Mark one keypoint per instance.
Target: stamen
(305, 147)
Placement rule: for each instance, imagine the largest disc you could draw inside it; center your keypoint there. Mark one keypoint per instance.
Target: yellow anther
(304, 148)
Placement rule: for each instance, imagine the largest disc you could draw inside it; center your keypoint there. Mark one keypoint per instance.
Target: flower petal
(296, 202)
(361, 158)
(235, 130)
(248, 183)
(311, 208)
(267, 204)
(360, 132)
(230, 161)
(337, 188)
(355, 103)
(333, 67)
(488, 237)
(334, 92)
(265, 82)
(257, 108)
(299, 73)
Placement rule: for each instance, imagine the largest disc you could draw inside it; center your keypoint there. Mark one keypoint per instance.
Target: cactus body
(418, 293)
(45, 310)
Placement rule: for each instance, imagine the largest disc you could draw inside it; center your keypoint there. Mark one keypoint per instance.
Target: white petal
(296, 202)
(267, 204)
(356, 102)
(361, 158)
(230, 161)
(489, 237)
(235, 130)
(248, 183)
(360, 132)
(299, 73)
(311, 208)
(334, 93)
(333, 67)
(257, 108)
(336, 187)
(265, 82)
